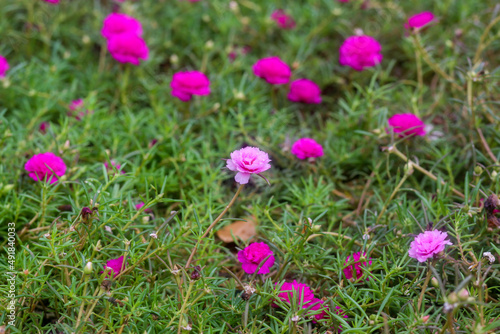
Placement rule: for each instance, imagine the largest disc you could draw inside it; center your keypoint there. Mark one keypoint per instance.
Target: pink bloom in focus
(115, 265)
(52, 1)
(354, 269)
(419, 20)
(283, 20)
(407, 125)
(248, 161)
(427, 244)
(116, 24)
(44, 127)
(128, 48)
(360, 52)
(307, 148)
(253, 255)
(301, 292)
(4, 66)
(186, 84)
(45, 166)
(305, 91)
(273, 70)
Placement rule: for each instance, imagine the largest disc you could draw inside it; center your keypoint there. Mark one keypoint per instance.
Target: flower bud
(463, 295)
(88, 269)
(452, 298)
(195, 274)
(434, 282)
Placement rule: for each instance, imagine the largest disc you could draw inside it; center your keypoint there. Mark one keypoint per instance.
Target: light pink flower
(52, 1)
(115, 265)
(354, 269)
(116, 24)
(305, 91)
(283, 20)
(407, 125)
(301, 292)
(45, 166)
(128, 48)
(186, 84)
(248, 161)
(419, 20)
(273, 70)
(307, 148)
(4, 66)
(360, 52)
(428, 244)
(252, 255)
(319, 304)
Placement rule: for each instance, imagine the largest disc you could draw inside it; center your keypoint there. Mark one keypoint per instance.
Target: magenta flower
(115, 265)
(45, 167)
(283, 20)
(252, 255)
(273, 70)
(428, 244)
(305, 91)
(354, 269)
(301, 292)
(4, 66)
(128, 48)
(419, 20)
(186, 84)
(248, 161)
(77, 109)
(307, 148)
(319, 304)
(116, 24)
(44, 126)
(139, 205)
(360, 52)
(407, 125)
(114, 164)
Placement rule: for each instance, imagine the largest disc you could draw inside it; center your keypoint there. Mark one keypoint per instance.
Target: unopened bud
(452, 298)
(478, 170)
(209, 45)
(434, 282)
(195, 274)
(88, 269)
(463, 295)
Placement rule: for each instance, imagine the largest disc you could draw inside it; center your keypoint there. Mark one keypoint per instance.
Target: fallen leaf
(243, 229)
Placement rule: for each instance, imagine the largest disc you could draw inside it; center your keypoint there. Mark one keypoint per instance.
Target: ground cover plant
(249, 166)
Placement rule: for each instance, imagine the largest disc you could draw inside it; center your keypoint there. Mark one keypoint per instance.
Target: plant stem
(426, 283)
(193, 252)
(481, 44)
(400, 184)
(394, 150)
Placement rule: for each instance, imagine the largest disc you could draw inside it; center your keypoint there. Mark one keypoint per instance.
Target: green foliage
(360, 196)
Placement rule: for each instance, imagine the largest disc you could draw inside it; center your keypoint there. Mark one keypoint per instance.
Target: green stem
(426, 283)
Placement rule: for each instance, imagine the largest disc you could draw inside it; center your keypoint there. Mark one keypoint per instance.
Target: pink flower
(360, 52)
(45, 166)
(44, 127)
(407, 125)
(115, 265)
(77, 109)
(253, 255)
(139, 205)
(427, 244)
(116, 24)
(186, 84)
(419, 20)
(319, 304)
(248, 161)
(305, 91)
(301, 292)
(283, 20)
(114, 165)
(273, 70)
(307, 148)
(4, 66)
(355, 268)
(128, 48)
(52, 1)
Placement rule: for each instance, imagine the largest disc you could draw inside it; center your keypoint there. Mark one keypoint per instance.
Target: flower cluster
(124, 38)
